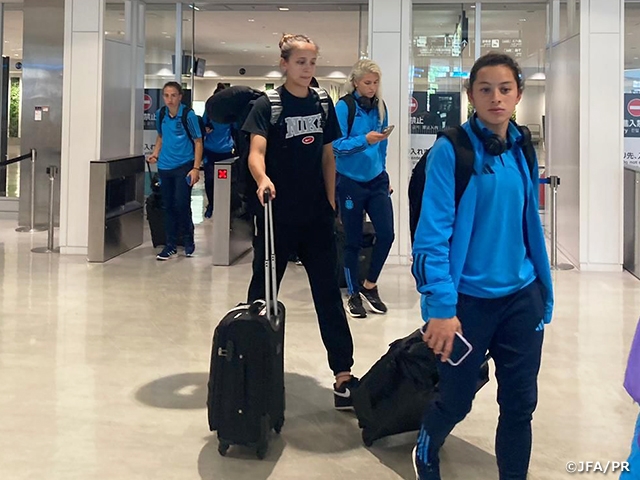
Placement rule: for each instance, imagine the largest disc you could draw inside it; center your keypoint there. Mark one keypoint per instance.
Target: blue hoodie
(220, 139)
(443, 252)
(355, 158)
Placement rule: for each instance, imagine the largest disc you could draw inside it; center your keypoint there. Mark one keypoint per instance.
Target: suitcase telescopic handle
(271, 283)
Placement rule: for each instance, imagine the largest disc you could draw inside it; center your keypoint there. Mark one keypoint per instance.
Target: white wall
(563, 140)
(116, 100)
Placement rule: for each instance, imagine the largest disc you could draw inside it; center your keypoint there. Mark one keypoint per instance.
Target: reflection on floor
(103, 372)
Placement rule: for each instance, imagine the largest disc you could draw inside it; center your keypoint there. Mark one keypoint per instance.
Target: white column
(390, 47)
(81, 119)
(601, 134)
(178, 54)
(102, 106)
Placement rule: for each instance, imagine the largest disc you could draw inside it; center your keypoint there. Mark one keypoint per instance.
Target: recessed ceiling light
(245, 50)
(223, 43)
(283, 9)
(251, 20)
(523, 19)
(276, 33)
(167, 36)
(165, 33)
(16, 55)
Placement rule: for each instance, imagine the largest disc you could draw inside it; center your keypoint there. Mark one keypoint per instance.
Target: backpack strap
(185, 122)
(323, 98)
(465, 158)
(161, 115)
(351, 109)
(276, 105)
(528, 149)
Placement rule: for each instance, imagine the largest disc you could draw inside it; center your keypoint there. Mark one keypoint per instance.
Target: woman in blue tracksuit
(483, 272)
(363, 183)
(218, 145)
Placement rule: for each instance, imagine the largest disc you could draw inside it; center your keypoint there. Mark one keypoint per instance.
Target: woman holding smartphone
(483, 272)
(363, 183)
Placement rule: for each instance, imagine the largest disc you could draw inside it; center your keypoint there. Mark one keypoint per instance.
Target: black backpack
(233, 105)
(465, 158)
(350, 100)
(184, 120)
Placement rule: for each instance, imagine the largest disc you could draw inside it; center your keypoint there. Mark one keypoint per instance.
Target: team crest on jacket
(308, 140)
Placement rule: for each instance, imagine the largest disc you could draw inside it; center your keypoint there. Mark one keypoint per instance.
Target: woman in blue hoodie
(363, 183)
(218, 145)
(483, 272)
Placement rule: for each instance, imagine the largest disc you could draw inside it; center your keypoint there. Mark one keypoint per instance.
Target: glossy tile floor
(103, 372)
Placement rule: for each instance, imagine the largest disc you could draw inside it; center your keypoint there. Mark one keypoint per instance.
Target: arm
(153, 158)
(385, 143)
(431, 267)
(198, 147)
(257, 166)
(329, 173)
(347, 145)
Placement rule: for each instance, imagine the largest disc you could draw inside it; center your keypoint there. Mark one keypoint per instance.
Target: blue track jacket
(355, 158)
(443, 235)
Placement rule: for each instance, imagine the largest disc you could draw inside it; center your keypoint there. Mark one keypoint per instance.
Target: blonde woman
(363, 183)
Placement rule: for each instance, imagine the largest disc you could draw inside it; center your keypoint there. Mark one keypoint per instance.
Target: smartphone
(461, 350)
(188, 179)
(388, 129)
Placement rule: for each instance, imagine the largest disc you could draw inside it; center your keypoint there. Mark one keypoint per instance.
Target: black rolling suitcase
(393, 395)
(246, 379)
(155, 213)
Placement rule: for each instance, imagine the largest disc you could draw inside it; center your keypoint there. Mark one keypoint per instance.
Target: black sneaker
(372, 298)
(355, 307)
(425, 471)
(342, 396)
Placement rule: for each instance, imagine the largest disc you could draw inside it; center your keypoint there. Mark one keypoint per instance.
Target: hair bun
(286, 38)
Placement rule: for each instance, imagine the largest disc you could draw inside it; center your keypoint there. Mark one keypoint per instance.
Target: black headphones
(368, 104)
(494, 144)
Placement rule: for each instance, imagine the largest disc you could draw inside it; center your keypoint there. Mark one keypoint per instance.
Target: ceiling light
(473, 6)
(276, 33)
(251, 20)
(523, 19)
(194, 7)
(223, 43)
(167, 36)
(245, 50)
(283, 9)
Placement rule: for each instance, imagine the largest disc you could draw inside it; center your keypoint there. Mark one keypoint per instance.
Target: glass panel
(520, 31)
(115, 24)
(160, 28)
(240, 46)
(12, 48)
(631, 84)
(443, 53)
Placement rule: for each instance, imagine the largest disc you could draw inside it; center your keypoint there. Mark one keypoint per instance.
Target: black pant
(210, 158)
(511, 329)
(316, 247)
(355, 198)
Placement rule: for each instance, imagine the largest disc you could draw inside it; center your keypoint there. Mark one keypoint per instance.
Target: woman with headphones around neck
(363, 183)
(483, 272)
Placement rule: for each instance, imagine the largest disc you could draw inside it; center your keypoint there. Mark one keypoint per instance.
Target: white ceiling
(250, 37)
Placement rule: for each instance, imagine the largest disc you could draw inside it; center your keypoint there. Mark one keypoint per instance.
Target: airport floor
(103, 371)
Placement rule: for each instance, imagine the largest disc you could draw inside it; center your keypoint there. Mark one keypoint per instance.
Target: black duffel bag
(393, 395)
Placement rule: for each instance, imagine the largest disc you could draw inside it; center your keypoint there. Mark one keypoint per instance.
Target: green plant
(14, 108)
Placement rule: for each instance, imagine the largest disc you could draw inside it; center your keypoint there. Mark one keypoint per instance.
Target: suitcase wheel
(278, 426)
(367, 441)
(223, 447)
(261, 451)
